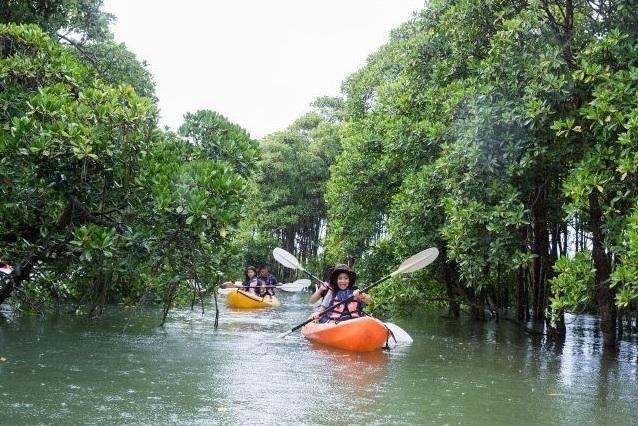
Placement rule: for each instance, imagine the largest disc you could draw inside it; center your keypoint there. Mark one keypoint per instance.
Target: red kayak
(361, 334)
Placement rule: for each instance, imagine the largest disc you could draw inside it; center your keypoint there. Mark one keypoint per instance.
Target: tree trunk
(604, 293)
(542, 265)
(522, 298)
(449, 278)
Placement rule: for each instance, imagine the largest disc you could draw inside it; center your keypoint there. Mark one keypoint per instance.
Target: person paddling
(250, 283)
(342, 288)
(266, 282)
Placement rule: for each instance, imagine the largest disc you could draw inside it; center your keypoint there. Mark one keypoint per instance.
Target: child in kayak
(342, 289)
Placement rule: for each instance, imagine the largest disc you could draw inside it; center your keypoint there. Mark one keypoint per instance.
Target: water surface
(72, 370)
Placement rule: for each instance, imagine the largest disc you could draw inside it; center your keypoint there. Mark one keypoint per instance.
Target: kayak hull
(242, 299)
(363, 334)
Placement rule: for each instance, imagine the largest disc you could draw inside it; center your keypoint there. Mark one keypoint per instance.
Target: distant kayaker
(266, 282)
(250, 280)
(342, 288)
(250, 283)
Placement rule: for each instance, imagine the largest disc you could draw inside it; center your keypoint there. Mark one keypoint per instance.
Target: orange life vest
(347, 310)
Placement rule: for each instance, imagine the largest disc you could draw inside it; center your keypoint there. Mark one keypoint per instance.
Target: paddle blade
(282, 335)
(418, 261)
(400, 335)
(225, 291)
(303, 282)
(292, 287)
(286, 259)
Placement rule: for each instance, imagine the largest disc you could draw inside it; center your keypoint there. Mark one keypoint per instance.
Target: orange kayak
(242, 299)
(361, 334)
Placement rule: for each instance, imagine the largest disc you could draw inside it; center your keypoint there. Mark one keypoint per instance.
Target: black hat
(338, 270)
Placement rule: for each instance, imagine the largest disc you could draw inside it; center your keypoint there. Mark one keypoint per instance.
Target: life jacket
(250, 285)
(344, 311)
(270, 281)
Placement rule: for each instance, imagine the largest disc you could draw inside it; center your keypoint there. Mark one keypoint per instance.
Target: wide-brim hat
(340, 269)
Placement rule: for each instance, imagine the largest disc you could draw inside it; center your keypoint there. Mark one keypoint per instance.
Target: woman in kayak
(249, 284)
(342, 289)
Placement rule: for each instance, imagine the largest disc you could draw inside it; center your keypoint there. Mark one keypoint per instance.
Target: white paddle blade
(292, 287)
(286, 259)
(418, 261)
(303, 282)
(282, 335)
(225, 291)
(400, 335)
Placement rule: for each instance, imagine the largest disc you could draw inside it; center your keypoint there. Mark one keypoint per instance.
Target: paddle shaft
(312, 276)
(303, 282)
(287, 285)
(290, 287)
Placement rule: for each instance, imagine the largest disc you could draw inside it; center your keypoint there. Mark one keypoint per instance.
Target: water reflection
(358, 371)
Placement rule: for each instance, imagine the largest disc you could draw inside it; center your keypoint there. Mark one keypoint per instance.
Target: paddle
(302, 283)
(400, 335)
(414, 263)
(297, 285)
(290, 287)
(289, 261)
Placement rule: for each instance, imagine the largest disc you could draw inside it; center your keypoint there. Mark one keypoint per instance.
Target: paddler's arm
(319, 293)
(362, 297)
(317, 314)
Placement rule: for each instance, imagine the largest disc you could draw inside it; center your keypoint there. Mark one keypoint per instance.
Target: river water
(72, 370)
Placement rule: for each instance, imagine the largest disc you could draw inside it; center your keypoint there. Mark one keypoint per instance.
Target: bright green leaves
(606, 170)
(481, 127)
(624, 279)
(572, 288)
(78, 19)
(220, 140)
(100, 194)
(564, 127)
(94, 241)
(203, 193)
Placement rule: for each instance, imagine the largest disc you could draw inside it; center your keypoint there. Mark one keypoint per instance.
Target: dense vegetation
(98, 205)
(501, 132)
